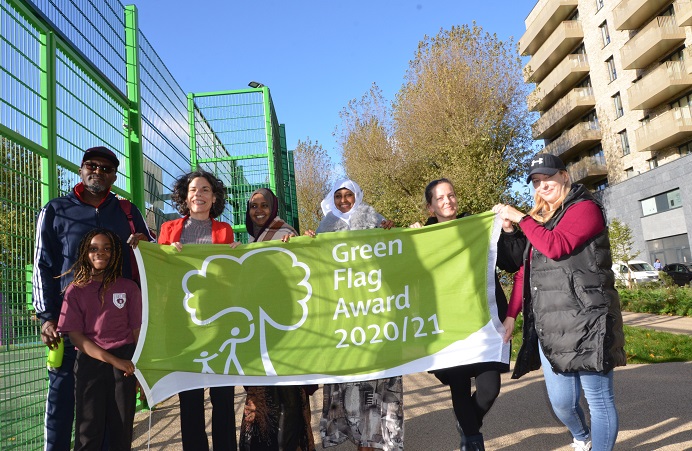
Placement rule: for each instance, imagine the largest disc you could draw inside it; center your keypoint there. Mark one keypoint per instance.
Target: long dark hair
(182, 184)
(82, 267)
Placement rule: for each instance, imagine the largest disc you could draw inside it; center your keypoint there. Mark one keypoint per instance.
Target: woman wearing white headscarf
(369, 413)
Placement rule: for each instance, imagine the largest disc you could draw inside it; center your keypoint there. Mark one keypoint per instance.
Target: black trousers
(471, 408)
(192, 422)
(105, 400)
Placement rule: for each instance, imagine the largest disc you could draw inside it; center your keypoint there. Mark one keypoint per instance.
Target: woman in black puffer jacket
(572, 318)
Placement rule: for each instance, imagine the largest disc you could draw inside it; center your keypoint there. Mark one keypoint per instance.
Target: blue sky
(313, 55)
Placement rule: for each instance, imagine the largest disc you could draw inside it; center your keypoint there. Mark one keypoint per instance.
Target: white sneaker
(579, 445)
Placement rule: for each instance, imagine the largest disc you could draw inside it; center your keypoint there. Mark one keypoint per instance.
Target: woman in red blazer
(200, 197)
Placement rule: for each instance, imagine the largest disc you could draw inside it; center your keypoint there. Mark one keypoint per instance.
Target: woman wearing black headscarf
(275, 418)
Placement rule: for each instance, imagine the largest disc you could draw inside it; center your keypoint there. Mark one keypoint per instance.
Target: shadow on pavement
(653, 402)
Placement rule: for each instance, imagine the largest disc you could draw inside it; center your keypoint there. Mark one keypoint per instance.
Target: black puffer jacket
(571, 305)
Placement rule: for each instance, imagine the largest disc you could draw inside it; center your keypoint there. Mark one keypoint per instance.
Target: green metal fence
(79, 74)
(236, 135)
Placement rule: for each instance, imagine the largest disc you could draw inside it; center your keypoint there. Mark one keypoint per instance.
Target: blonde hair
(541, 211)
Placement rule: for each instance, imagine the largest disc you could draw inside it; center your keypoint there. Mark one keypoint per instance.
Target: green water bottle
(54, 360)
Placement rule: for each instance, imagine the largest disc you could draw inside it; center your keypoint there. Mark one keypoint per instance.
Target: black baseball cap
(545, 163)
(103, 152)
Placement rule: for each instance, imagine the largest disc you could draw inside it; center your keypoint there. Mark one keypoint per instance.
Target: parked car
(680, 272)
(638, 271)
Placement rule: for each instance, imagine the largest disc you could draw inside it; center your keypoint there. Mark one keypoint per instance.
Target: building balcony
(632, 14)
(665, 130)
(662, 84)
(547, 20)
(587, 170)
(563, 40)
(565, 75)
(657, 38)
(580, 137)
(683, 13)
(567, 110)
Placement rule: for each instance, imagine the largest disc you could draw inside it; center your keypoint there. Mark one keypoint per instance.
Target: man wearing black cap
(60, 226)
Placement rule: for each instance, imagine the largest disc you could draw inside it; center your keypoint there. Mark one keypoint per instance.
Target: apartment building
(613, 87)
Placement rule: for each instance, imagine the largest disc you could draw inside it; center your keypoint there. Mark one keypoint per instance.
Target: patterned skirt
(368, 413)
(276, 418)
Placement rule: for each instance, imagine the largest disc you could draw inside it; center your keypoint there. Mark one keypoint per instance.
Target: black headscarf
(273, 200)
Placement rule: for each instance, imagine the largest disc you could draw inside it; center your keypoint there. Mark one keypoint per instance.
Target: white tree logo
(263, 317)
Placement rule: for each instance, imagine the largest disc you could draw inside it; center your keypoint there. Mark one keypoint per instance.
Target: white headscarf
(328, 202)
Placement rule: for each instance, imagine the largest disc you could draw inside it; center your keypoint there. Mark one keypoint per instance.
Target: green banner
(339, 307)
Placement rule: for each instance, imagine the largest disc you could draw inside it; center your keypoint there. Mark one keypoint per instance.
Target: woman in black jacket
(470, 409)
(572, 318)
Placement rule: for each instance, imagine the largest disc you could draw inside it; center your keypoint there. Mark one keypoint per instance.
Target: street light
(254, 84)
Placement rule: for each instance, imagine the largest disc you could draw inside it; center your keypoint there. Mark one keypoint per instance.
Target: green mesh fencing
(236, 135)
(22, 358)
(79, 74)
(165, 134)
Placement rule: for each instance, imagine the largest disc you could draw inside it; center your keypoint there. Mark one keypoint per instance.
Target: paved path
(671, 324)
(654, 404)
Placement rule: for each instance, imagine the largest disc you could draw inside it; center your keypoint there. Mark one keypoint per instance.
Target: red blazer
(221, 232)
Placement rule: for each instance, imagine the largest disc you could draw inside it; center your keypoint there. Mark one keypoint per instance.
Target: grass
(641, 345)
(651, 346)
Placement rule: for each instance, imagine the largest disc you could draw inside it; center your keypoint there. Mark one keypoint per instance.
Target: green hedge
(661, 300)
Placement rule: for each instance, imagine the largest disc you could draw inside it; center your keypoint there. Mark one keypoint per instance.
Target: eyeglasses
(93, 166)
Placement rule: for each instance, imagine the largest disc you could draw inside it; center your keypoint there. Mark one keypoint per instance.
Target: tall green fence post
(193, 134)
(270, 138)
(134, 115)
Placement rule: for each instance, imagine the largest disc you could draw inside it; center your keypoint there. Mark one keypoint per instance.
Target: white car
(638, 271)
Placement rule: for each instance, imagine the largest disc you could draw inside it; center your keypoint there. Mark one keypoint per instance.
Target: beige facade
(610, 75)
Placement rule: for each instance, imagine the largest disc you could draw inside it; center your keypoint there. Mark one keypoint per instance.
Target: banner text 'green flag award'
(343, 306)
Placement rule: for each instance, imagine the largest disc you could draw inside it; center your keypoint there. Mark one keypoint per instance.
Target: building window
(601, 185)
(661, 202)
(629, 172)
(597, 153)
(592, 119)
(669, 11)
(653, 163)
(585, 83)
(618, 106)
(674, 248)
(684, 101)
(599, 5)
(678, 55)
(612, 73)
(624, 142)
(604, 33)
(685, 149)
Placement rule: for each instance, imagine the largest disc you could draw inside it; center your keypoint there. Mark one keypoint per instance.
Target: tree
(313, 171)
(370, 158)
(460, 114)
(621, 242)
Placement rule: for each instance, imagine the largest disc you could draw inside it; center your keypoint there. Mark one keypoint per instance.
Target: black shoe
(472, 443)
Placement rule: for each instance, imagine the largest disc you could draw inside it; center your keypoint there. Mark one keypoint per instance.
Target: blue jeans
(564, 390)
